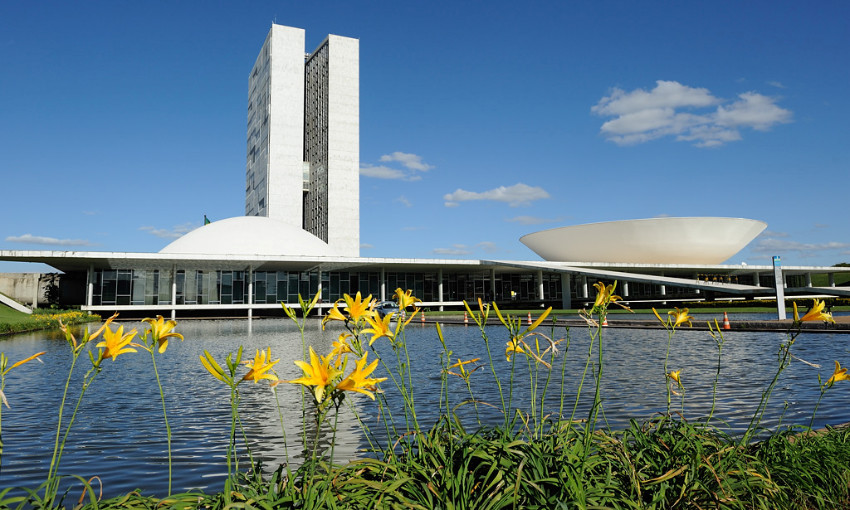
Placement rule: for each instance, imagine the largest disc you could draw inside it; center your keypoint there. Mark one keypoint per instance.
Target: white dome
(249, 235)
(698, 240)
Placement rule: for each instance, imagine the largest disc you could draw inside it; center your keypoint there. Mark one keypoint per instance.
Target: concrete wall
(26, 288)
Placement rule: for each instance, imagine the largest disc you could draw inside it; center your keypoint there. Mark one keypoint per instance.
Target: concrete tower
(303, 138)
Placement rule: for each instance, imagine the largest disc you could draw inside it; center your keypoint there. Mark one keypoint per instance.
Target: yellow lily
(840, 374)
(318, 373)
(815, 314)
(405, 298)
(5, 361)
(115, 342)
(675, 376)
(358, 307)
(333, 315)
(605, 296)
(340, 347)
(514, 346)
(379, 327)
(358, 379)
(161, 331)
(464, 374)
(260, 366)
(4, 370)
(680, 317)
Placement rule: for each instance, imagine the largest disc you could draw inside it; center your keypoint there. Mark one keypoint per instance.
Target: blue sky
(123, 123)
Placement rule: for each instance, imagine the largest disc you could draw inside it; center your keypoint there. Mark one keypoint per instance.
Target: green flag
(206, 220)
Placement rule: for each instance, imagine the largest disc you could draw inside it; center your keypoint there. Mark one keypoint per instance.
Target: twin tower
(303, 153)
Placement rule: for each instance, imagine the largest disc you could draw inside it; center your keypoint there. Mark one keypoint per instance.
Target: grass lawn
(11, 316)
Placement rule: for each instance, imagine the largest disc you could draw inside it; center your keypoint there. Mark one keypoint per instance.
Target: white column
(808, 279)
(440, 288)
(383, 284)
(540, 295)
(90, 286)
(492, 284)
(566, 297)
(832, 279)
(173, 291)
(584, 287)
(756, 280)
(780, 288)
(625, 289)
(320, 291)
(36, 277)
(250, 292)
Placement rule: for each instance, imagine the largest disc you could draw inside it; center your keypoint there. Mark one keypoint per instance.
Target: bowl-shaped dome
(647, 241)
(249, 235)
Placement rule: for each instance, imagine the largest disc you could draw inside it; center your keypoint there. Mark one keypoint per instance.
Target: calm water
(119, 435)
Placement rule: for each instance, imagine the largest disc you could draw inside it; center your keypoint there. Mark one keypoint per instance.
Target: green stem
(812, 421)
(716, 379)
(164, 415)
(53, 463)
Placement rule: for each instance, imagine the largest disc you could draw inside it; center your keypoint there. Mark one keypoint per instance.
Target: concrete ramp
(11, 303)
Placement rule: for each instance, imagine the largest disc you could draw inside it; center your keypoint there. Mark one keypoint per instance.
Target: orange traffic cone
(529, 318)
(726, 324)
(465, 318)
(422, 318)
(605, 321)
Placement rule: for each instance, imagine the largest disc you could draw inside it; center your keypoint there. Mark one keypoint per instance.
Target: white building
(303, 137)
(301, 231)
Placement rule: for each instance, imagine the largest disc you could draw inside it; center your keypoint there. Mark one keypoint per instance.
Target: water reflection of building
(300, 234)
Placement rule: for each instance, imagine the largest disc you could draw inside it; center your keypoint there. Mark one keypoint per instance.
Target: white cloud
(380, 172)
(776, 84)
(366, 246)
(411, 166)
(456, 249)
(403, 201)
(409, 161)
(47, 241)
(516, 195)
(640, 116)
(771, 246)
(531, 220)
(172, 233)
(487, 246)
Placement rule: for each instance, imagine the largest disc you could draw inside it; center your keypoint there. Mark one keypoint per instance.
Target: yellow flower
(318, 373)
(840, 374)
(115, 342)
(405, 299)
(815, 314)
(333, 315)
(512, 347)
(680, 317)
(358, 307)
(260, 366)
(464, 374)
(340, 347)
(5, 361)
(675, 376)
(358, 379)
(380, 327)
(605, 295)
(161, 331)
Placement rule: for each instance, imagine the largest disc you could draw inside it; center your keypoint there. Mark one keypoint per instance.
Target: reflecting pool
(119, 435)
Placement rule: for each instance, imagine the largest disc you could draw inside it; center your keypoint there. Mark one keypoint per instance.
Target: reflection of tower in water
(280, 425)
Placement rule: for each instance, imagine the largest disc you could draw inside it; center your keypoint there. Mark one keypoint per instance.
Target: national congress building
(300, 232)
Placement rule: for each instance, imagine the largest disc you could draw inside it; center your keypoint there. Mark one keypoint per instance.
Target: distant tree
(51, 288)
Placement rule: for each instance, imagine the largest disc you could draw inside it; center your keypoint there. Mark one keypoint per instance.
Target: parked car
(386, 307)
